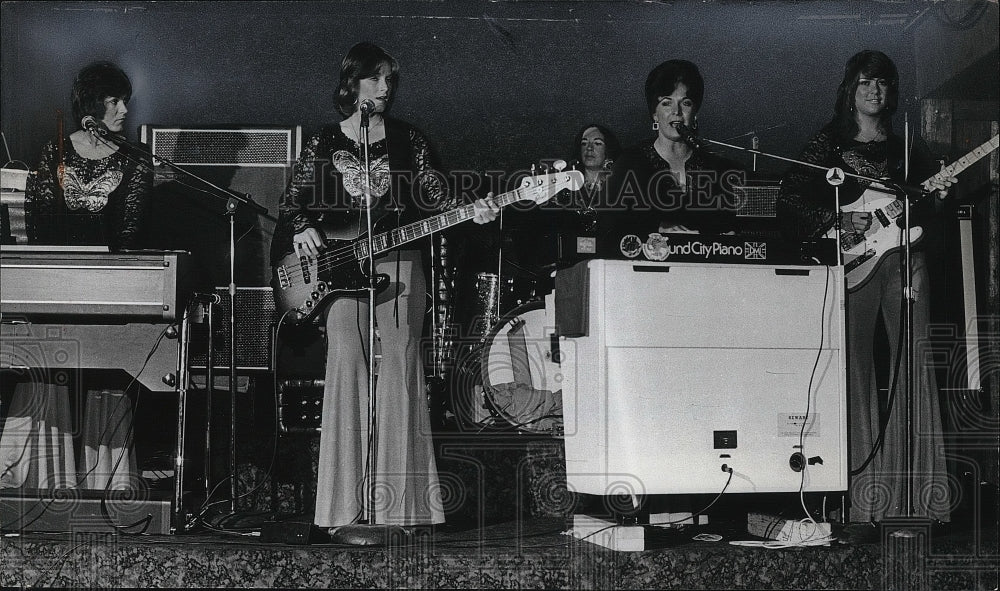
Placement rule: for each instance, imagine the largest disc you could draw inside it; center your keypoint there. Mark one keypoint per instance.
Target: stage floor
(519, 554)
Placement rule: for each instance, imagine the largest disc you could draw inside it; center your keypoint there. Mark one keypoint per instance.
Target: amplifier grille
(757, 201)
(255, 321)
(225, 147)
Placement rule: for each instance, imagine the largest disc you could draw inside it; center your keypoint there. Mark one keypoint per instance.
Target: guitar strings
(338, 256)
(333, 258)
(344, 254)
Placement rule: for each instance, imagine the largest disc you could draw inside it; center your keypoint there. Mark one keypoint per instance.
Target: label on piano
(706, 248)
(586, 245)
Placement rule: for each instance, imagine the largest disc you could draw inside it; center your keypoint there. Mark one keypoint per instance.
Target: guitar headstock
(540, 188)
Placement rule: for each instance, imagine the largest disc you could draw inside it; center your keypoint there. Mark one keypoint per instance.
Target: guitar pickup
(882, 218)
(849, 240)
(304, 264)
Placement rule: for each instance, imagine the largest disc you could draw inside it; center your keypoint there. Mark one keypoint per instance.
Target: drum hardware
(487, 305)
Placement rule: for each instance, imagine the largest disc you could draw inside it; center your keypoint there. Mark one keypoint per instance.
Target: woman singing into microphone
(85, 190)
(665, 184)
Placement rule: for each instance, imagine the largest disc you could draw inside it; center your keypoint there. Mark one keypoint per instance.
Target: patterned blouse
(806, 203)
(328, 181)
(81, 201)
(643, 194)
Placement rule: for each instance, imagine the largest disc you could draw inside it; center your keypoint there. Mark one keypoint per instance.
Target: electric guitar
(864, 252)
(305, 286)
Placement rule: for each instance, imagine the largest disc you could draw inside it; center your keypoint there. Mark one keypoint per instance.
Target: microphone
(367, 107)
(688, 135)
(206, 298)
(90, 123)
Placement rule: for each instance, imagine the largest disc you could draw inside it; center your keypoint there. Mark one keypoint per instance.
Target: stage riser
(518, 555)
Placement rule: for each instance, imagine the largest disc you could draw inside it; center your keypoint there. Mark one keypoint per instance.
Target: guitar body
(321, 283)
(307, 286)
(864, 253)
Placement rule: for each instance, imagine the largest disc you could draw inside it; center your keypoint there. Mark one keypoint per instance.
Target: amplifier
(77, 510)
(757, 200)
(246, 159)
(255, 323)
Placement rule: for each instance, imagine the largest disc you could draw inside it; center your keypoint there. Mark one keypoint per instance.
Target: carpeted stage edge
(522, 554)
(507, 506)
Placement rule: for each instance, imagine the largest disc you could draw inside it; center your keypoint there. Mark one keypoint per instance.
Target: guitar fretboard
(416, 230)
(969, 159)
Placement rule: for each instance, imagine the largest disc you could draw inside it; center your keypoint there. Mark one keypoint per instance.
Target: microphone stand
(908, 302)
(755, 140)
(372, 459)
(369, 533)
(233, 201)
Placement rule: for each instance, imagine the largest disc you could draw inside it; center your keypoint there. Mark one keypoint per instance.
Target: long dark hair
(363, 60)
(95, 83)
(871, 64)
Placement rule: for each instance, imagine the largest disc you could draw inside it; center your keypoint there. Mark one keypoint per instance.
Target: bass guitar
(305, 286)
(864, 252)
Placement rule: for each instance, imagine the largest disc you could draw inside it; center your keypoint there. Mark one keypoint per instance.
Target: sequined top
(83, 201)
(327, 185)
(643, 194)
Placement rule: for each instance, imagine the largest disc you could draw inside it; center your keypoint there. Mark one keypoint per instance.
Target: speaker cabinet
(184, 214)
(255, 325)
(755, 213)
(680, 369)
(757, 200)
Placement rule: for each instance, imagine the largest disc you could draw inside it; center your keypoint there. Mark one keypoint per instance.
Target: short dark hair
(665, 78)
(873, 64)
(95, 83)
(363, 60)
(611, 146)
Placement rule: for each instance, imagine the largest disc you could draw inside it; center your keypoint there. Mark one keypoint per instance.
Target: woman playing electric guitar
(860, 139)
(328, 183)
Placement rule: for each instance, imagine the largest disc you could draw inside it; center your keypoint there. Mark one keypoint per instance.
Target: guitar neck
(414, 231)
(967, 160)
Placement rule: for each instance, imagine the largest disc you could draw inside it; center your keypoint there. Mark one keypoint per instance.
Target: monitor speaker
(188, 214)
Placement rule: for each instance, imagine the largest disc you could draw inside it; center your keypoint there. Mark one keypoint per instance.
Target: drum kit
(508, 379)
(506, 375)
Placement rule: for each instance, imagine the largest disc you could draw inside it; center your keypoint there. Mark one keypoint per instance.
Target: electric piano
(86, 308)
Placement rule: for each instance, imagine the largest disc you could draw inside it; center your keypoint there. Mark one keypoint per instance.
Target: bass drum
(521, 375)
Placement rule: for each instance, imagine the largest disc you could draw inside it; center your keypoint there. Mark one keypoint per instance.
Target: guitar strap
(402, 177)
(400, 153)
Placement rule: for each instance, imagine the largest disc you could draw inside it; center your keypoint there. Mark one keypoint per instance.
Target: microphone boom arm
(915, 191)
